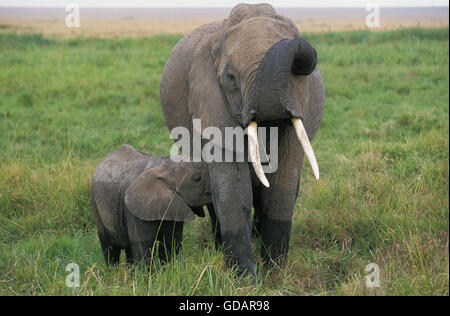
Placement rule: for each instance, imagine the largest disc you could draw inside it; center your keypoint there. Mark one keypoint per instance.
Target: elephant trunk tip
(305, 57)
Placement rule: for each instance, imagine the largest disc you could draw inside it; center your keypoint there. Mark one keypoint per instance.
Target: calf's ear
(149, 198)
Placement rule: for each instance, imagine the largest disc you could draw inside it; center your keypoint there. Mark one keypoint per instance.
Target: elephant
(139, 200)
(251, 70)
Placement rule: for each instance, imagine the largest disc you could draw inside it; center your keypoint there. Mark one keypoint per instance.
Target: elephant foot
(237, 254)
(275, 237)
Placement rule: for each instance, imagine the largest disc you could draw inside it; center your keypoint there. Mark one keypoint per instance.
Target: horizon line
(217, 7)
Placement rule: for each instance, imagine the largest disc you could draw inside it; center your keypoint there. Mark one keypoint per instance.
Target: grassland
(382, 148)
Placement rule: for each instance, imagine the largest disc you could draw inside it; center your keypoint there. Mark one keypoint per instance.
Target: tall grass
(382, 148)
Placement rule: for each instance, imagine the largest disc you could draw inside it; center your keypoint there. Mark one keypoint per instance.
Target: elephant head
(252, 70)
(170, 191)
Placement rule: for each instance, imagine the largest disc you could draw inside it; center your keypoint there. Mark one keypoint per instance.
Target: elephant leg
(275, 236)
(273, 232)
(142, 250)
(232, 198)
(273, 227)
(111, 253)
(142, 238)
(274, 206)
(170, 239)
(128, 255)
(215, 226)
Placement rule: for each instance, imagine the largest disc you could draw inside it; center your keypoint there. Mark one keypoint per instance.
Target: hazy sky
(222, 3)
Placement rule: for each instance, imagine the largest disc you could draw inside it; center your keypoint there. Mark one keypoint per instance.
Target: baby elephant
(139, 199)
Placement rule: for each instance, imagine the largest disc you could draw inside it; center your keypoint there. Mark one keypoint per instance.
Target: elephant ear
(149, 198)
(206, 100)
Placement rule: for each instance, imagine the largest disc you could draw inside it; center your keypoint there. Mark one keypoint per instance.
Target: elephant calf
(138, 200)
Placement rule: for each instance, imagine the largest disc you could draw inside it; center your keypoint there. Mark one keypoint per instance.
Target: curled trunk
(273, 95)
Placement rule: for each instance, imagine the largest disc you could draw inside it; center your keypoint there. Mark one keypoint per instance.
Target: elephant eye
(197, 178)
(231, 77)
(229, 80)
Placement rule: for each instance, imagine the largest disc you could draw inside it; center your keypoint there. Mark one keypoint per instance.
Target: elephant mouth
(302, 136)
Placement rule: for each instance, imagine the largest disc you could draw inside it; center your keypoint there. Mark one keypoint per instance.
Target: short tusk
(254, 152)
(307, 148)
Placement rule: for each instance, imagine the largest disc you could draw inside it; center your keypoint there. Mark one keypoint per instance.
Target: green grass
(382, 148)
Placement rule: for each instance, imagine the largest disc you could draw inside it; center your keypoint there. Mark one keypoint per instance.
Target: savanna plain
(382, 148)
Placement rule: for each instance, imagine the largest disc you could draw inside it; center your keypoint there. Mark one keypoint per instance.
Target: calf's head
(169, 192)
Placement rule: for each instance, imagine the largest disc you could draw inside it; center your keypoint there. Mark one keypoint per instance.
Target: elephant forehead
(244, 11)
(248, 41)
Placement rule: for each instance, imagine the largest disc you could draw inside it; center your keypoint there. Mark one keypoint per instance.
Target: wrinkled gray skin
(215, 74)
(139, 199)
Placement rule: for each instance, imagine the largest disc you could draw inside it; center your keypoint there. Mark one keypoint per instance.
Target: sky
(221, 3)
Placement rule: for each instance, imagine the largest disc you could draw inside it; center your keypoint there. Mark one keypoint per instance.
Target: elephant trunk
(272, 96)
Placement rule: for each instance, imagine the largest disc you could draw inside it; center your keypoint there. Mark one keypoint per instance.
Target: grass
(382, 148)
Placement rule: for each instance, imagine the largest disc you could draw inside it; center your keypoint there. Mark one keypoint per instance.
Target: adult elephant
(252, 69)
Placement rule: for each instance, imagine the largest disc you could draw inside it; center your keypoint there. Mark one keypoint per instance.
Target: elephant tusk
(306, 145)
(254, 152)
